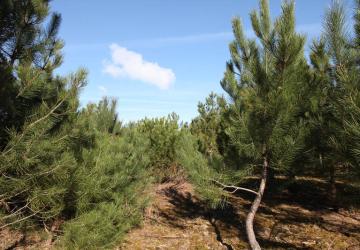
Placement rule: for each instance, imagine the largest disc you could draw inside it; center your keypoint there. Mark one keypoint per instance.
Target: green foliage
(103, 116)
(197, 169)
(301, 117)
(267, 94)
(59, 163)
(38, 160)
(209, 125)
(264, 119)
(86, 168)
(344, 65)
(110, 197)
(163, 135)
(29, 52)
(333, 92)
(352, 130)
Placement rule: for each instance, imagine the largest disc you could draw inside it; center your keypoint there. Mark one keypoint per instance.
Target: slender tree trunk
(332, 182)
(270, 182)
(332, 186)
(254, 207)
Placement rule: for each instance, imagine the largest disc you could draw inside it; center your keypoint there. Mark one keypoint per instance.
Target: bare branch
(235, 188)
(14, 222)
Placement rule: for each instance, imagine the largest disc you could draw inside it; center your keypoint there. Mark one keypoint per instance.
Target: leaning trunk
(254, 207)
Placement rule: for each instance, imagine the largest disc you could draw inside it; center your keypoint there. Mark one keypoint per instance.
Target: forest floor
(297, 217)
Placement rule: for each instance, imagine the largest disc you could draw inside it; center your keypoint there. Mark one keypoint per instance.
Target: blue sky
(159, 56)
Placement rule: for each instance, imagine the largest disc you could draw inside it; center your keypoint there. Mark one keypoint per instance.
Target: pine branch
(48, 114)
(17, 221)
(29, 83)
(234, 187)
(35, 122)
(17, 211)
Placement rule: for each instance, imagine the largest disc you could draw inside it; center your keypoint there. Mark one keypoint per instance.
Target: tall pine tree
(264, 79)
(41, 141)
(334, 95)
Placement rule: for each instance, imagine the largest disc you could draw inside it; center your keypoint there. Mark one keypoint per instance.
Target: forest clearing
(271, 162)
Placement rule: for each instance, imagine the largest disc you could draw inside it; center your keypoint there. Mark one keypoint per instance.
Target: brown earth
(298, 216)
(14, 239)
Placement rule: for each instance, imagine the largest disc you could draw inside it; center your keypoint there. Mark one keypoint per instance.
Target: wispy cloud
(196, 38)
(159, 41)
(311, 30)
(126, 63)
(102, 89)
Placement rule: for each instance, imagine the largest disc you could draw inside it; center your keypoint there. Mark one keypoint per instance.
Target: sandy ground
(289, 220)
(296, 217)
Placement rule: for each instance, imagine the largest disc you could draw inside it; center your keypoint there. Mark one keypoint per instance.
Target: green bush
(110, 192)
(163, 135)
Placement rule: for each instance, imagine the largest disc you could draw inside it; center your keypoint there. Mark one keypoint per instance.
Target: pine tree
(110, 190)
(345, 61)
(335, 74)
(103, 116)
(26, 47)
(163, 135)
(38, 160)
(264, 80)
(352, 100)
(41, 141)
(323, 118)
(207, 126)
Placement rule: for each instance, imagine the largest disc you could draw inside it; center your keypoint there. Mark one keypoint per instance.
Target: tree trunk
(270, 182)
(332, 186)
(254, 207)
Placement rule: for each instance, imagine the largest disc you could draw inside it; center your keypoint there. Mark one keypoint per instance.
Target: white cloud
(102, 89)
(126, 63)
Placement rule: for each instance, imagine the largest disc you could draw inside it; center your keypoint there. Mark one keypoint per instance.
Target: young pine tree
(41, 141)
(163, 135)
(264, 80)
(110, 188)
(207, 126)
(103, 116)
(345, 62)
(352, 124)
(335, 94)
(39, 159)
